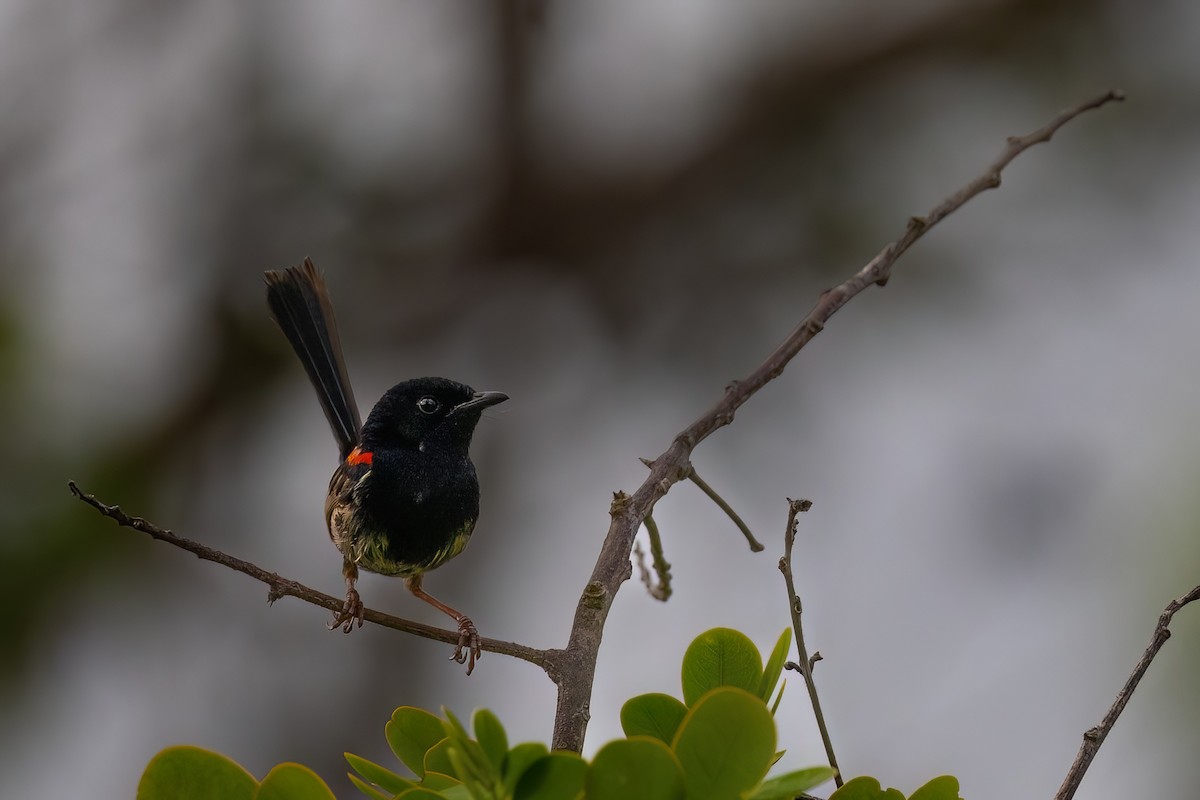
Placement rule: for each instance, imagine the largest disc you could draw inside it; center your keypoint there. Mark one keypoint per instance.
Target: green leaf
(653, 714)
(193, 773)
(944, 787)
(410, 733)
(491, 737)
(293, 782)
(865, 788)
(439, 781)
(478, 782)
(469, 762)
(720, 657)
(517, 760)
(420, 793)
(557, 776)
(778, 697)
(437, 759)
(373, 792)
(788, 785)
(640, 768)
(774, 667)
(725, 744)
(383, 777)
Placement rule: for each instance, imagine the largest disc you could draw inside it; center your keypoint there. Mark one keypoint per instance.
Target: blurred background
(608, 211)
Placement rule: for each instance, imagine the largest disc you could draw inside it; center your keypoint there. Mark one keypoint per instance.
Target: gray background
(607, 210)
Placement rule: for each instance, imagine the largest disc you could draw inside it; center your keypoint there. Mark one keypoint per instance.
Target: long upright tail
(301, 307)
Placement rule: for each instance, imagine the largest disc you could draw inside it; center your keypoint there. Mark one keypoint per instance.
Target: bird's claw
(468, 648)
(352, 612)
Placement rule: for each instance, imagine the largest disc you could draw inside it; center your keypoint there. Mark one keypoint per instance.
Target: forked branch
(673, 465)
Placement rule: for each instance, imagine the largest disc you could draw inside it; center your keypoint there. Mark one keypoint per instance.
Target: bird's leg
(352, 611)
(468, 648)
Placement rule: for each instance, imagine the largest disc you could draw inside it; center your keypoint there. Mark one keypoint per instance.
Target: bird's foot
(468, 648)
(351, 613)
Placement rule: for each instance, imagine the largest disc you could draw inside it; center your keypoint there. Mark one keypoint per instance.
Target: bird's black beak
(481, 400)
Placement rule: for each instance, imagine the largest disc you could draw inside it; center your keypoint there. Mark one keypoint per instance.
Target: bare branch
(278, 587)
(755, 545)
(612, 566)
(1094, 737)
(805, 665)
(702, 485)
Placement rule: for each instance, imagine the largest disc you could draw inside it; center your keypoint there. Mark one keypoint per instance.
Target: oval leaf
(791, 784)
(293, 782)
(720, 657)
(557, 776)
(653, 714)
(193, 773)
(439, 782)
(865, 788)
(437, 759)
(491, 737)
(517, 760)
(725, 744)
(944, 787)
(411, 732)
(641, 768)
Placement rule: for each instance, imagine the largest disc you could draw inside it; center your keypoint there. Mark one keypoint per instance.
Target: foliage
(716, 743)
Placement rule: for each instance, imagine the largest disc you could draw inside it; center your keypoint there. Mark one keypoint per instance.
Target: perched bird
(405, 497)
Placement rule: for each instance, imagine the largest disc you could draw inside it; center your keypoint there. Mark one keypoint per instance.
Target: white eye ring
(428, 405)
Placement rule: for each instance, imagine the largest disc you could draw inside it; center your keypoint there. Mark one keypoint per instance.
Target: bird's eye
(428, 405)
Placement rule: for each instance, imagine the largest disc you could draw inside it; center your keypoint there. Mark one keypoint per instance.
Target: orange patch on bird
(359, 456)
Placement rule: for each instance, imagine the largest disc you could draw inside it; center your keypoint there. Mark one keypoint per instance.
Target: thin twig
(1094, 737)
(660, 590)
(805, 664)
(755, 545)
(703, 486)
(278, 587)
(612, 565)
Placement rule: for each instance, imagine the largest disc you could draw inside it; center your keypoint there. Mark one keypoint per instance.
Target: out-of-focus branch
(278, 587)
(673, 465)
(1094, 737)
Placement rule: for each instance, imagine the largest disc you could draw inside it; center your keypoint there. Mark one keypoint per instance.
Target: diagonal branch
(1094, 737)
(278, 587)
(628, 511)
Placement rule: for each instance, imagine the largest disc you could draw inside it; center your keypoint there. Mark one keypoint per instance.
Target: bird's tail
(301, 307)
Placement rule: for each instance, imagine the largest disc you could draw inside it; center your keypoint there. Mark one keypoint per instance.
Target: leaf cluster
(717, 743)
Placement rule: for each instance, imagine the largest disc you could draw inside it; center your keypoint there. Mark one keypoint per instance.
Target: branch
(278, 587)
(805, 666)
(612, 566)
(661, 590)
(702, 485)
(1094, 737)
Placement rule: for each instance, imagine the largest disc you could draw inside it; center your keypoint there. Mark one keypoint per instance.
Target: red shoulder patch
(358, 456)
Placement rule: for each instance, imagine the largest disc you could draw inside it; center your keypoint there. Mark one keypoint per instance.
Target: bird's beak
(481, 400)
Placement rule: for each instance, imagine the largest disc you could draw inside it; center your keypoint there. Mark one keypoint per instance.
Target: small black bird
(404, 498)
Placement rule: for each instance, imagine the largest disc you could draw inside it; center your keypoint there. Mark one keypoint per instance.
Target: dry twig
(1094, 737)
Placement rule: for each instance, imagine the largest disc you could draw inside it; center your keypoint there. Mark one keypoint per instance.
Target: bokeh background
(607, 210)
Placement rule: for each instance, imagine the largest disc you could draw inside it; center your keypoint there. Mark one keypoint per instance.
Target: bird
(404, 498)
